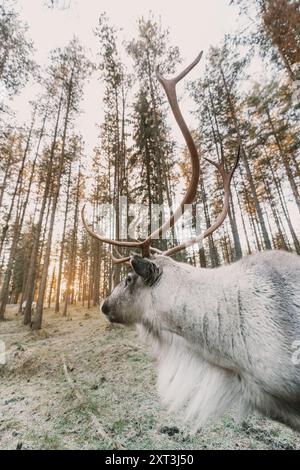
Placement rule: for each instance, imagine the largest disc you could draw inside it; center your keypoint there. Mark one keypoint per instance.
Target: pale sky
(194, 25)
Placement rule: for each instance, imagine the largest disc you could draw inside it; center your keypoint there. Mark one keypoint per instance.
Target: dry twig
(82, 399)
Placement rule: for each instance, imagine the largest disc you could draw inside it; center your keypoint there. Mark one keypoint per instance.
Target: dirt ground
(80, 383)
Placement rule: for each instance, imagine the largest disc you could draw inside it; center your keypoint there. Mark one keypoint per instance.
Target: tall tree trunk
(73, 250)
(51, 288)
(243, 222)
(37, 321)
(160, 159)
(231, 213)
(18, 225)
(62, 249)
(96, 276)
(288, 170)
(4, 294)
(275, 215)
(249, 209)
(283, 205)
(6, 175)
(37, 233)
(18, 182)
(266, 238)
(41, 135)
(213, 253)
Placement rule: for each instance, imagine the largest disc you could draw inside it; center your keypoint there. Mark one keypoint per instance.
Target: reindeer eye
(129, 280)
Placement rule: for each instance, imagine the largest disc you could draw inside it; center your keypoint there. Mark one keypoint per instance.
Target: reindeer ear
(145, 268)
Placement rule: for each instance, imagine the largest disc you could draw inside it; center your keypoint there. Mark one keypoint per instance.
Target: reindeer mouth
(107, 317)
(107, 311)
(110, 318)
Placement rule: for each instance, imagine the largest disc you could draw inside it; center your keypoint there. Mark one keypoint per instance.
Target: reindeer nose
(105, 307)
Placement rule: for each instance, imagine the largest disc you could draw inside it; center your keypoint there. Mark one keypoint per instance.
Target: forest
(48, 262)
(46, 255)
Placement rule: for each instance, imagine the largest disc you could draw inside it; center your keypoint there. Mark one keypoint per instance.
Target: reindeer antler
(169, 86)
(226, 178)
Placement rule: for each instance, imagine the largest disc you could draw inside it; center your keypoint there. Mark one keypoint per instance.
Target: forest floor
(81, 383)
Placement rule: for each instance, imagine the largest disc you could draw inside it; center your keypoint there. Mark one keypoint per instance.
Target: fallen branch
(82, 399)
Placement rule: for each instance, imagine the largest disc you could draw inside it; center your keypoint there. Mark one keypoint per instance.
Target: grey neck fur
(229, 340)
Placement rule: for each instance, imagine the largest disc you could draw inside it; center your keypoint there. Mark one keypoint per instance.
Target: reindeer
(222, 336)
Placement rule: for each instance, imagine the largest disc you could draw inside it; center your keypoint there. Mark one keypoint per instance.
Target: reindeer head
(126, 304)
(147, 295)
(132, 300)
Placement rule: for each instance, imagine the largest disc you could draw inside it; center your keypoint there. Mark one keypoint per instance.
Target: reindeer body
(222, 336)
(226, 336)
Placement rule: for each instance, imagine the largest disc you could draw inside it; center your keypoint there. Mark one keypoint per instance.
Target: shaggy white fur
(223, 336)
(188, 383)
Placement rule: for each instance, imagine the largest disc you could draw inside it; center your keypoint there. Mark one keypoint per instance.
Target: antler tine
(106, 240)
(221, 165)
(226, 178)
(169, 86)
(152, 249)
(133, 244)
(182, 74)
(120, 259)
(237, 159)
(116, 261)
(217, 165)
(155, 250)
(170, 89)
